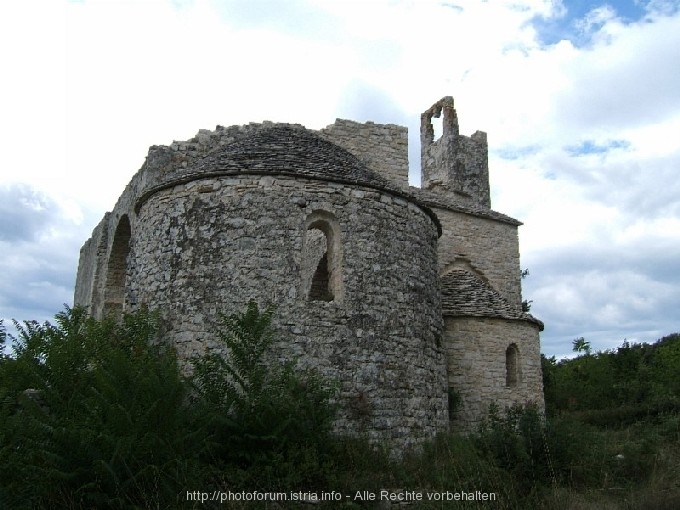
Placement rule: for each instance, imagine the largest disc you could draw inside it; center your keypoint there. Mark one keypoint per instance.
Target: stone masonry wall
(211, 245)
(490, 246)
(476, 352)
(454, 164)
(91, 264)
(382, 147)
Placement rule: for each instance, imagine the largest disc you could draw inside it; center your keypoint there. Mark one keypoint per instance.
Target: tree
(581, 345)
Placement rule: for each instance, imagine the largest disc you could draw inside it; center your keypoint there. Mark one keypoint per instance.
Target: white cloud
(91, 85)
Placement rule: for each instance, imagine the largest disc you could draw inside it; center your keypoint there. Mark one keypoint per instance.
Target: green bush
(633, 376)
(269, 423)
(517, 441)
(97, 414)
(93, 416)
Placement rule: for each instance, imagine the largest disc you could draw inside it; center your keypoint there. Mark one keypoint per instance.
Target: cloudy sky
(580, 100)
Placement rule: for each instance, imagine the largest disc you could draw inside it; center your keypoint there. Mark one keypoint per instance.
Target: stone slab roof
(433, 199)
(280, 149)
(466, 295)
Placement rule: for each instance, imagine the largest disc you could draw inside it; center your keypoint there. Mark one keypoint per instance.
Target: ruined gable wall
(457, 166)
(454, 165)
(381, 147)
(91, 264)
(491, 246)
(476, 357)
(95, 256)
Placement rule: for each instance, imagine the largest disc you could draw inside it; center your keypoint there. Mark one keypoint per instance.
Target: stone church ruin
(403, 295)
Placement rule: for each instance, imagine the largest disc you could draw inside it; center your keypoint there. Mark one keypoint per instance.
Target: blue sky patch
(577, 23)
(588, 147)
(516, 152)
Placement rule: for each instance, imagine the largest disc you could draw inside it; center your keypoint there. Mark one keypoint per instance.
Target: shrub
(94, 415)
(517, 441)
(269, 422)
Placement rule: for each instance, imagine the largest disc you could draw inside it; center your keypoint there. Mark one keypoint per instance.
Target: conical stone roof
(295, 151)
(466, 295)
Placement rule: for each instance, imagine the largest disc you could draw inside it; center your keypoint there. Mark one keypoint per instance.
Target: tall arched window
(114, 293)
(322, 258)
(512, 370)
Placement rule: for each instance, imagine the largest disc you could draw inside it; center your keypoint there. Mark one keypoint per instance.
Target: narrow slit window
(320, 290)
(321, 258)
(512, 373)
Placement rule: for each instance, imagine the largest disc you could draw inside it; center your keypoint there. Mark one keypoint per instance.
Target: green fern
(262, 414)
(105, 421)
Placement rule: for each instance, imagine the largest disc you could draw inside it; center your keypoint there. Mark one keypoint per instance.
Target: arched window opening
(512, 372)
(322, 268)
(114, 293)
(320, 290)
